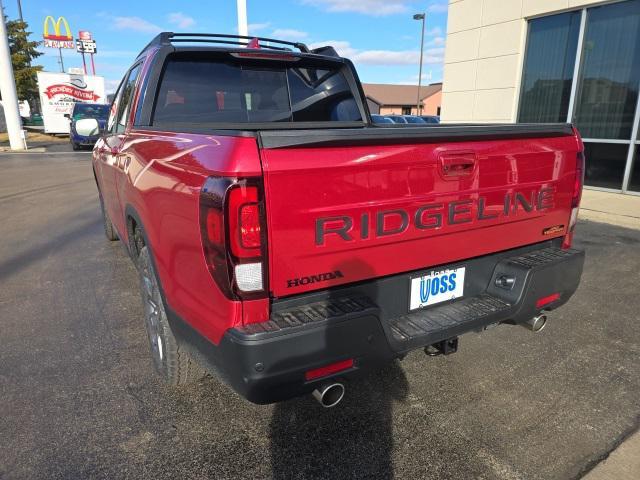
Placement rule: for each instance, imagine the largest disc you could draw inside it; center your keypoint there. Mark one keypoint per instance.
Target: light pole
(243, 29)
(420, 16)
(8, 89)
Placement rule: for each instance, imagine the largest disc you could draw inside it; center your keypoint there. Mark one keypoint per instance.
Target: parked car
(82, 131)
(397, 118)
(286, 245)
(35, 120)
(412, 119)
(381, 119)
(430, 118)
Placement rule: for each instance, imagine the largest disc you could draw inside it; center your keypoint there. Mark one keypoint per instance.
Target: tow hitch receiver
(445, 347)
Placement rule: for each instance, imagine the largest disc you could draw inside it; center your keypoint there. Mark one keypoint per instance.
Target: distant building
(545, 61)
(387, 99)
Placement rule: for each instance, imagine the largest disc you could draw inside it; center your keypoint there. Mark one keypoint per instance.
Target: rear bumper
(371, 324)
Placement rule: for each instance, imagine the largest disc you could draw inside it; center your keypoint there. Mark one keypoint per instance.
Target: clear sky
(380, 36)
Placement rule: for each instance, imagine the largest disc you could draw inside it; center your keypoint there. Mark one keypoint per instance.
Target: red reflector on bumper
(547, 300)
(328, 369)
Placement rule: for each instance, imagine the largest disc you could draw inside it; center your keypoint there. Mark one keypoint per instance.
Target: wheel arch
(133, 221)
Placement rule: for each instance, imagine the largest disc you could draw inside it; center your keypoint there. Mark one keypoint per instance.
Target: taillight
(266, 56)
(576, 196)
(579, 181)
(233, 240)
(215, 226)
(244, 221)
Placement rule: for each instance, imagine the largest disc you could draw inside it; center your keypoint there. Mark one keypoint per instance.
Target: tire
(109, 231)
(170, 360)
(75, 146)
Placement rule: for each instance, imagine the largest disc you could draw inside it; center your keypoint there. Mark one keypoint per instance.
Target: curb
(30, 150)
(610, 218)
(623, 463)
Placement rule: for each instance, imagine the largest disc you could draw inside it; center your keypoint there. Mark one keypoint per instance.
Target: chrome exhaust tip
(535, 324)
(329, 395)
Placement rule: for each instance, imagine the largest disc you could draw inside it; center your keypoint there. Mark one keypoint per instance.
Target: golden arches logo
(56, 29)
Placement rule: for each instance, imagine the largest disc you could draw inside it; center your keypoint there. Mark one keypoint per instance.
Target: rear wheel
(170, 360)
(109, 231)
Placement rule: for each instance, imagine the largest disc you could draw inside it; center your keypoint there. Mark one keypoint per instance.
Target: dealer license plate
(436, 287)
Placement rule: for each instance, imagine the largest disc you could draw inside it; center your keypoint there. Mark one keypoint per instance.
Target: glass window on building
(604, 164)
(548, 68)
(634, 180)
(610, 72)
(601, 96)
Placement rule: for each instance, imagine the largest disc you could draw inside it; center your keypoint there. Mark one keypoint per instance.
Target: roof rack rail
(168, 38)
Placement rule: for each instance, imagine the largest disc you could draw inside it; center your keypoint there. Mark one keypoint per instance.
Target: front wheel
(170, 360)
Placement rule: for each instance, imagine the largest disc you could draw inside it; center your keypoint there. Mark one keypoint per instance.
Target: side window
(122, 102)
(113, 111)
(124, 105)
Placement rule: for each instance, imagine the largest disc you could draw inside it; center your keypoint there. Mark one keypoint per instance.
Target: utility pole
(243, 27)
(20, 10)
(420, 16)
(8, 90)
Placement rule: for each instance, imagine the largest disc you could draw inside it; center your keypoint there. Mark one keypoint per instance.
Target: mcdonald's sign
(57, 39)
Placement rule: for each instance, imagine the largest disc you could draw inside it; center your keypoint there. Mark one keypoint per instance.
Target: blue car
(397, 118)
(380, 119)
(79, 136)
(414, 120)
(430, 118)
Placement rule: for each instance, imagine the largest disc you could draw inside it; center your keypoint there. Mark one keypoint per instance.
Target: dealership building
(545, 61)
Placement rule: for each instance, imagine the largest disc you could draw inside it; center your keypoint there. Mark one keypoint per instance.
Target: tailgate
(367, 203)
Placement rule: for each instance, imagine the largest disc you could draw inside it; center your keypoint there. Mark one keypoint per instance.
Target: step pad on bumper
(542, 257)
(429, 322)
(330, 309)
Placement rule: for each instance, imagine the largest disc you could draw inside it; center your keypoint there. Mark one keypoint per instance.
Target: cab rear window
(213, 91)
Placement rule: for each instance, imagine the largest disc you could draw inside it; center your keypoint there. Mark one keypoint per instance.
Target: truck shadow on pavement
(351, 440)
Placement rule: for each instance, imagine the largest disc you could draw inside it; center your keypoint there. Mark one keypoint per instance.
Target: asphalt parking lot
(79, 398)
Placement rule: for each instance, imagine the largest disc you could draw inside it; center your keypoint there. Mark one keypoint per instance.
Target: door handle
(455, 165)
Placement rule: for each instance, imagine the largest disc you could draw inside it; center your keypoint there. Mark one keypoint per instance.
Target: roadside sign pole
(86, 44)
(8, 90)
(61, 61)
(84, 64)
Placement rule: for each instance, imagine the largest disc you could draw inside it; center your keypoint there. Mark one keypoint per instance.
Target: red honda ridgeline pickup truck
(286, 243)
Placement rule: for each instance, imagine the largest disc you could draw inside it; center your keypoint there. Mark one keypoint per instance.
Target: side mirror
(67, 115)
(88, 127)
